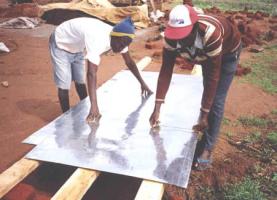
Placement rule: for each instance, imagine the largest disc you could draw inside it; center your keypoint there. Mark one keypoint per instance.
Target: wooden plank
(143, 63)
(77, 185)
(150, 190)
(16, 173)
(197, 70)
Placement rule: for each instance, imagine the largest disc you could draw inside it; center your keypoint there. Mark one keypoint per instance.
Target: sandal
(202, 164)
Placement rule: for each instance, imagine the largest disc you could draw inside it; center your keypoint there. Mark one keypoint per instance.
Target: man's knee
(81, 90)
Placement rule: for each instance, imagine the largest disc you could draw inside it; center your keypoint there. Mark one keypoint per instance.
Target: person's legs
(64, 99)
(229, 65)
(78, 75)
(62, 72)
(81, 90)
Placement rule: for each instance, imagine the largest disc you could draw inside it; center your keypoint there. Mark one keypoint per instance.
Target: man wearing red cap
(86, 38)
(214, 42)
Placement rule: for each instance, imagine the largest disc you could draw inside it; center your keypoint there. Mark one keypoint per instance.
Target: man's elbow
(91, 75)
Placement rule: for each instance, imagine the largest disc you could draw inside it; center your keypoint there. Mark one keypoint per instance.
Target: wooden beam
(77, 185)
(16, 173)
(197, 70)
(143, 63)
(150, 190)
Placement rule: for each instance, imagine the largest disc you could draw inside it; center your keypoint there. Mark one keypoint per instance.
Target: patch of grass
(226, 121)
(229, 134)
(267, 6)
(245, 190)
(274, 177)
(207, 193)
(274, 112)
(252, 5)
(253, 121)
(253, 137)
(263, 74)
(257, 168)
(272, 138)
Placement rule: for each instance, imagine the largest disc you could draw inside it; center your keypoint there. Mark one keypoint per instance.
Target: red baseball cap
(181, 21)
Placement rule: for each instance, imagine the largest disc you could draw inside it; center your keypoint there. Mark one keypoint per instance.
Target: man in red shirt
(214, 42)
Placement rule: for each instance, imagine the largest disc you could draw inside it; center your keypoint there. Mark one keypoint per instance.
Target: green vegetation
(245, 190)
(251, 5)
(274, 112)
(259, 145)
(267, 6)
(253, 137)
(208, 193)
(274, 177)
(254, 121)
(226, 121)
(272, 138)
(264, 73)
(229, 134)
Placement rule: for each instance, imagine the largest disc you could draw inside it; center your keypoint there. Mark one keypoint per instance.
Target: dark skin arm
(211, 73)
(119, 43)
(94, 114)
(164, 80)
(145, 91)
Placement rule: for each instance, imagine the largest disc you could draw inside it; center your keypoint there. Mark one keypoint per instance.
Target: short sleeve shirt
(89, 34)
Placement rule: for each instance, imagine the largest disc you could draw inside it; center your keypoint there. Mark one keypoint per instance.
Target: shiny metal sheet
(120, 96)
(123, 142)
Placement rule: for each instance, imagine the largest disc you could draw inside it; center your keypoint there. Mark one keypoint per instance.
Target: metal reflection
(132, 119)
(123, 142)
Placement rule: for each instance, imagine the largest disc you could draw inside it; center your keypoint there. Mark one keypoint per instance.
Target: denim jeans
(228, 70)
(67, 67)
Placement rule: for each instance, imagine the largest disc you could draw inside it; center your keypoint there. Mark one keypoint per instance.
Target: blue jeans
(67, 67)
(228, 70)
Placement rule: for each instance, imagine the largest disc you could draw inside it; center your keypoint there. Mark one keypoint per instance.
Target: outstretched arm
(145, 91)
(94, 114)
(211, 75)
(164, 79)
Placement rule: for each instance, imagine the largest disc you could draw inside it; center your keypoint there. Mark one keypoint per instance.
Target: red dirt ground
(30, 102)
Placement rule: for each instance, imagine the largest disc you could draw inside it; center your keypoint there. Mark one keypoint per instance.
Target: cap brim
(177, 33)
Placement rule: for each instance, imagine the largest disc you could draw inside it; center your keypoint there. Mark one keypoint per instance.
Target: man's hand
(145, 91)
(202, 122)
(154, 119)
(93, 116)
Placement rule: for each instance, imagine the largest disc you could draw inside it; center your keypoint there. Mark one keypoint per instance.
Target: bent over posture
(86, 38)
(214, 42)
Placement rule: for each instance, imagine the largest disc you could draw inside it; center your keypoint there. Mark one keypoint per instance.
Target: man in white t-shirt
(87, 38)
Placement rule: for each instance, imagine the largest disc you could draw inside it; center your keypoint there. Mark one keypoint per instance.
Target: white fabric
(154, 16)
(179, 17)
(3, 47)
(125, 50)
(79, 34)
(20, 22)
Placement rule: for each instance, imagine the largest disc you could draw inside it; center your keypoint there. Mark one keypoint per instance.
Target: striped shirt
(215, 37)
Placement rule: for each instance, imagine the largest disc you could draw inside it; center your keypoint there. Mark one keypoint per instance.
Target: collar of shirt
(198, 44)
(193, 50)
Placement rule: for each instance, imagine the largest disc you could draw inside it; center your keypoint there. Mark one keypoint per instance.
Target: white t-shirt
(82, 33)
